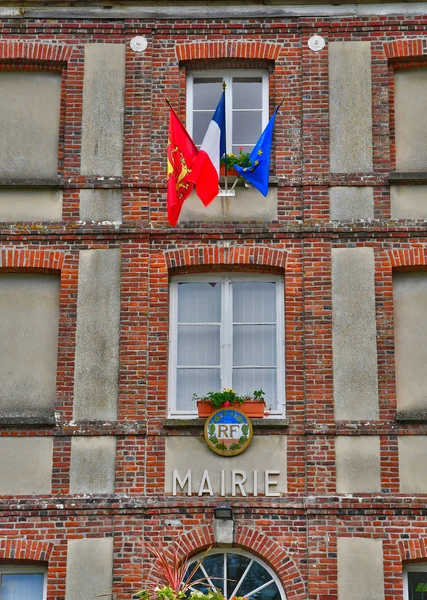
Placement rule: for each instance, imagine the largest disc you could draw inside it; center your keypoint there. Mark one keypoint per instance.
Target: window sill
(411, 416)
(30, 421)
(55, 182)
(198, 424)
(419, 178)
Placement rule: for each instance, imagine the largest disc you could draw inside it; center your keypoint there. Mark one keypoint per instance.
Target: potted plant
(172, 579)
(228, 160)
(252, 405)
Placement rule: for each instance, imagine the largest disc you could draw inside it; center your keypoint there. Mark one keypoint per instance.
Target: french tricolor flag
(205, 172)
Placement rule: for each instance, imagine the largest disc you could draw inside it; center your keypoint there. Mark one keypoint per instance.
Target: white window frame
(253, 559)
(411, 567)
(226, 358)
(16, 569)
(227, 76)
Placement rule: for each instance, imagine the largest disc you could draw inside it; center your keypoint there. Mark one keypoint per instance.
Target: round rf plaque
(138, 43)
(316, 43)
(228, 431)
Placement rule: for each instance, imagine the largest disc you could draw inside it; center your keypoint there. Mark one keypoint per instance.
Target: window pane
(198, 345)
(417, 582)
(237, 148)
(236, 566)
(195, 381)
(254, 302)
(245, 381)
(199, 302)
(206, 93)
(270, 592)
(247, 92)
(247, 127)
(254, 345)
(201, 122)
(22, 586)
(256, 576)
(214, 567)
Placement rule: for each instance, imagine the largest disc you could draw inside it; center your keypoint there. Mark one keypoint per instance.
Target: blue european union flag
(257, 172)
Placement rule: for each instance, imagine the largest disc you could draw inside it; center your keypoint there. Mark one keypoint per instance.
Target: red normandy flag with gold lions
(181, 155)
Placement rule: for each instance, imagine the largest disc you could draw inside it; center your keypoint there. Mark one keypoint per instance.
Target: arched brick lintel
(272, 553)
(200, 538)
(231, 49)
(14, 259)
(218, 255)
(25, 550)
(405, 48)
(407, 257)
(34, 51)
(415, 549)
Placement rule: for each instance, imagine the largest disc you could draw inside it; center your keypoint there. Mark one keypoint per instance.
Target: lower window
(415, 581)
(237, 573)
(22, 582)
(226, 331)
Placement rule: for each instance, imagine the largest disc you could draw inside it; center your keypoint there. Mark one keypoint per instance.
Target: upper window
(237, 573)
(410, 87)
(29, 119)
(415, 581)
(410, 330)
(226, 331)
(246, 99)
(22, 582)
(29, 316)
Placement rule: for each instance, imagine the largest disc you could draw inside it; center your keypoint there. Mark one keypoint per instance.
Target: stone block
(410, 89)
(360, 569)
(89, 568)
(30, 205)
(25, 465)
(97, 335)
(358, 464)
(351, 203)
(190, 453)
(29, 124)
(101, 205)
(103, 109)
(410, 335)
(93, 461)
(408, 201)
(247, 205)
(350, 107)
(413, 464)
(29, 315)
(354, 334)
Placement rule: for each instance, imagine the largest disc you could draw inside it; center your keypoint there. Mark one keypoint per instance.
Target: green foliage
(171, 582)
(242, 159)
(228, 397)
(212, 594)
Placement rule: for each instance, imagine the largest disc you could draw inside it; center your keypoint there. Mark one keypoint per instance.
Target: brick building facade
(96, 436)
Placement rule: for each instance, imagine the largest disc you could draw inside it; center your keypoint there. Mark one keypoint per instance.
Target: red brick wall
(295, 534)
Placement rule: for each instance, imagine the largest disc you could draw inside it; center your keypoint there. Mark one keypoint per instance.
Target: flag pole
(224, 85)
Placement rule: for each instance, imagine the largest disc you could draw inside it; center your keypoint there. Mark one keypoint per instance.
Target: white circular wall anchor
(138, 43)
(316, 43)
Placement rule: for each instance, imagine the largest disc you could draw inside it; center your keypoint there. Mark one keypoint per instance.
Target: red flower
(227, 403)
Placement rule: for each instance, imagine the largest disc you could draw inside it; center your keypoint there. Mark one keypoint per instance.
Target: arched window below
(237, 573)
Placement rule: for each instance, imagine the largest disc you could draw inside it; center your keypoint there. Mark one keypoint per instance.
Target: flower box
(254, 409)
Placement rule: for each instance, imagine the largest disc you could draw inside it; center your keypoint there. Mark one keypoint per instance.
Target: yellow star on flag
(260, 152)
